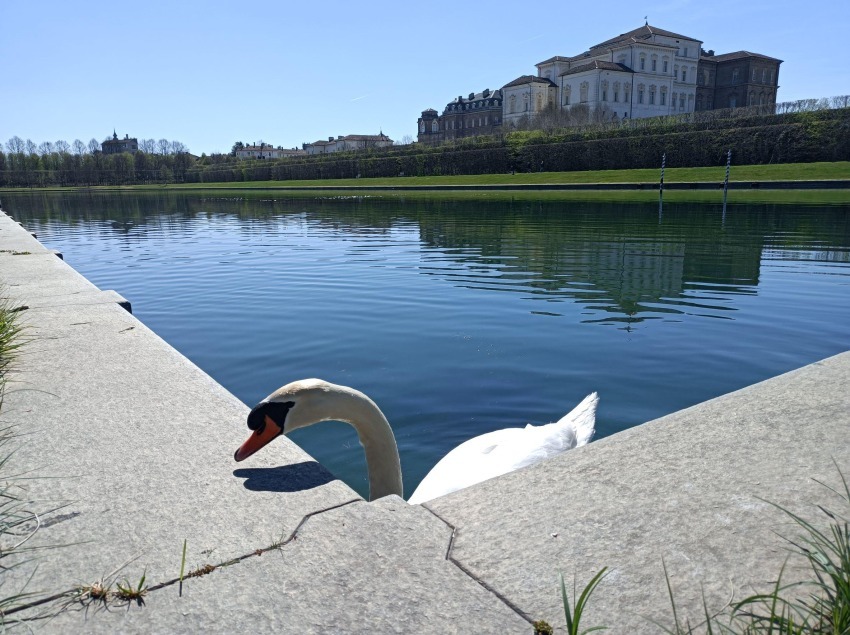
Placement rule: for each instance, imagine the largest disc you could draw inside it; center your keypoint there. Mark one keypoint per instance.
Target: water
(463, 316)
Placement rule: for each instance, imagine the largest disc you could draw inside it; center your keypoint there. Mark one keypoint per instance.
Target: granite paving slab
(362, 568)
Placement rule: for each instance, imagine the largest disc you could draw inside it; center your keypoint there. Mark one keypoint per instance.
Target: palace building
(647, 72)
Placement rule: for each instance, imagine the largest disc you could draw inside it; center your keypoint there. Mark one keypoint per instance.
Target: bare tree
(31, 147)
(45, 148)
(94, 145)
(148, 146)
(177, 147)
(163, 146)
(79, 147)
(15, 145)
(62, 147)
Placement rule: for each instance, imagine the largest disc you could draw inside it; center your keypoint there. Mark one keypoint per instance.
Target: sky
(210, 73)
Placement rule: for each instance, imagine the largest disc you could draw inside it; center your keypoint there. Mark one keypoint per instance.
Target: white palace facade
(647, 72)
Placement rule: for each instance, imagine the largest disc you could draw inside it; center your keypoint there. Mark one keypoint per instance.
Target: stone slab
(137, 443)
(689, 488)
(362, 568)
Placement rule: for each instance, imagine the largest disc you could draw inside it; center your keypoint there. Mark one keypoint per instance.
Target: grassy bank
(744, 173)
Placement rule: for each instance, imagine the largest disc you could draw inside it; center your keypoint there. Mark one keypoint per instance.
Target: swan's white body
(502, 451)
(303, 403)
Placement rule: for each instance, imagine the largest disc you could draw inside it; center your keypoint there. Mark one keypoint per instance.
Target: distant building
(477, 114)
(733, 80)
(348, 143)
(646, 72)
(266, 151)
(117, 146)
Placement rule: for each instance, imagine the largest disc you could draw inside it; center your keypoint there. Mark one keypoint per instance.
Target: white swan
(303, 403)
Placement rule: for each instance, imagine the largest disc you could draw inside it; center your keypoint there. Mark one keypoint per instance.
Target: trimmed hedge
(788, 138)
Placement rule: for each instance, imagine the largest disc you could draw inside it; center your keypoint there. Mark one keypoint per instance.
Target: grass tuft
(573, 615)
(128, 593)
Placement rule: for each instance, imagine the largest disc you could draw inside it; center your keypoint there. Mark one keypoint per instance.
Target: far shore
(825, 182)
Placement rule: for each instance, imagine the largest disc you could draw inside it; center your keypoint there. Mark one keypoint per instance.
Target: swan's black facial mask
(267, 421)
(276, 411)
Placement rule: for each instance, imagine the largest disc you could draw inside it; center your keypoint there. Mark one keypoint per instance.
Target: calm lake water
(463, 316)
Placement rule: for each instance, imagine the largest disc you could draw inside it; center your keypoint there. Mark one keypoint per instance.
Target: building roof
(529, 79)
(366, 137)
(491, 94)
(598, 65)
(737, 55)
(557, 58)
(646, 32)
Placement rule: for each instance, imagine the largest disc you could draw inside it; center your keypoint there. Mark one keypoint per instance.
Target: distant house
(117, 146)
(348, 142)
(266, 151)
(477, 114)
(733, 80)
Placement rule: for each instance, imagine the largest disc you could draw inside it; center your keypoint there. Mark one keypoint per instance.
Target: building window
(733, 101)
(654, 64)
(583, 88)
(640, 95)
(686, 51)
(642, 62)
(626, 94)
(663, 98)
(681, 102)
(652, 95)
(604, 95)
(616, 95)
(684, 74)
(664, 66)
(734, 75)
(764, 76)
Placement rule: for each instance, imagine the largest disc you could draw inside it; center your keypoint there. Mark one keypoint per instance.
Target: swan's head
(296, 405)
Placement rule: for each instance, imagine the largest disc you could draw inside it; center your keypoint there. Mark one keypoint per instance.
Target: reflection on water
(396, 297)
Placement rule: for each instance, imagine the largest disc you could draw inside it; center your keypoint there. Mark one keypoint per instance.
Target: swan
(305, 402)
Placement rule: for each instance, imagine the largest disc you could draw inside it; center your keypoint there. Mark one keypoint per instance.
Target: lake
(462, 315)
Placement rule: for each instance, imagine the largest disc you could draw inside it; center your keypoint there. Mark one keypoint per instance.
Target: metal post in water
(661, 184)
(726, 180)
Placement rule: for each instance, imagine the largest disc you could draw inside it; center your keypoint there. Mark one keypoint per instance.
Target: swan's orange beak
(258, 439)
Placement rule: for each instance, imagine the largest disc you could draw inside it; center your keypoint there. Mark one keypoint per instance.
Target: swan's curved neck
(376, 437)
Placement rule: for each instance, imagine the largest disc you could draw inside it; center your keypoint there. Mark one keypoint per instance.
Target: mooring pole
(661, 184)
(726, 180)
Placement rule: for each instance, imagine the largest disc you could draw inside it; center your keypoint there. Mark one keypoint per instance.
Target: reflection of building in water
(632, 272)
(623, 268)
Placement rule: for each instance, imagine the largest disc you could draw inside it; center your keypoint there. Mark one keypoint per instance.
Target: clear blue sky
(209, 73)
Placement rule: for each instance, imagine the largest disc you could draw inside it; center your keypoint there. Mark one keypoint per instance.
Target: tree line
(59, 163)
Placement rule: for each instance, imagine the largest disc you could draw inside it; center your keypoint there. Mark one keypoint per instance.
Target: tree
(147, 146)
(94, 145)
(177, 147)
(31, 147)
(236, 146)
(15, 145)
(62, 147)
(163, 146)
(79, 147)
